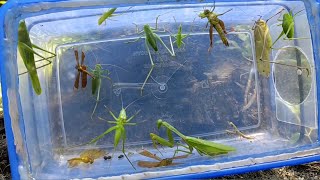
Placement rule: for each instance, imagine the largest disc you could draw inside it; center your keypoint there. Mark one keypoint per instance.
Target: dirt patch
(4, 159)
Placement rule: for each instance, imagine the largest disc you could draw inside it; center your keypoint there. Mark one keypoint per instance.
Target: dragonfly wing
(84, 77)
(82, 58)
(76, 82)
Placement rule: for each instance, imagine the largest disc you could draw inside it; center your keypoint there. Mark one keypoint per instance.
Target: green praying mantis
(151, 39)
(120, 132)
(203, 147)
(216, 23)
(288, 26)
(27, 52)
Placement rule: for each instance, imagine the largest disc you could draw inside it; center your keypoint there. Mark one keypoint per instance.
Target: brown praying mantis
(161, 163)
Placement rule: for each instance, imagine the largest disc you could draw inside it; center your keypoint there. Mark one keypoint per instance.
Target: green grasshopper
(151, 39)
(98, 74)
(106, 15)
(263, 46)
(120, 132)
(179, 37)
(216, 23)
(203, 147)
(288, 27)
(26, 51)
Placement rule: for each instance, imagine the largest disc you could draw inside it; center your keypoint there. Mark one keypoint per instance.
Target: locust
(215, 23)
(81, 69)
(288, 26)
(237, 131)
(151, 39)
(263, 46)
(203, 147)
(120, 132)
(87, 156)
(27, 52)
(98, 74)
(161, 163)
(106, 15)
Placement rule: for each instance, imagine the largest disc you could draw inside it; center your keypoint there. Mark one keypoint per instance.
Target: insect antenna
(274, 15)
(214, 6)
(136, 100)
(121, 101)
(298, 12)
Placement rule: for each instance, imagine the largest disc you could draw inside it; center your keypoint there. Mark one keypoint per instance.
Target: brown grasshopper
(215, 23)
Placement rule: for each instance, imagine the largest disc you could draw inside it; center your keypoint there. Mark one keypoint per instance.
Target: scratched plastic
(196, 91)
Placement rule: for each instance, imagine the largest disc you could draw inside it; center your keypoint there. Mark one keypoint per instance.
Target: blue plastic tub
(198, 90)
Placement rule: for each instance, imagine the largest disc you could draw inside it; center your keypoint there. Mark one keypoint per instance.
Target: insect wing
(84, 77)
(150, 155)
(263, 43)
(148, 164)
(95, 84)
(287, 21)
(208, 147)
(150, 37)
(222, 26)
(106, 15)
(76, 82)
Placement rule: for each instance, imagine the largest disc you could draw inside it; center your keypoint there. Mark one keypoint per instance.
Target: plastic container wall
(196, 91)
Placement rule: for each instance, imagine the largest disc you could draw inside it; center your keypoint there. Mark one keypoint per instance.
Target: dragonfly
(161, 163)
(81, 69)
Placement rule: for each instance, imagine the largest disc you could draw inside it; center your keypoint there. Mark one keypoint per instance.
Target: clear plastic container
(196, 91)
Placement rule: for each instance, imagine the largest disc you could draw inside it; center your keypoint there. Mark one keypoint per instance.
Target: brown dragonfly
(162, 162)
(82, 69)
(87, 156)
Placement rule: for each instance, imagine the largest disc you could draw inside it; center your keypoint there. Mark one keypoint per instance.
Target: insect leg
(123, 150)
(102, 135)
(97, 100)
(133, 116)
(211, 37)
(151, 69)
(172, 53)
(225, 12)
(291, 38)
